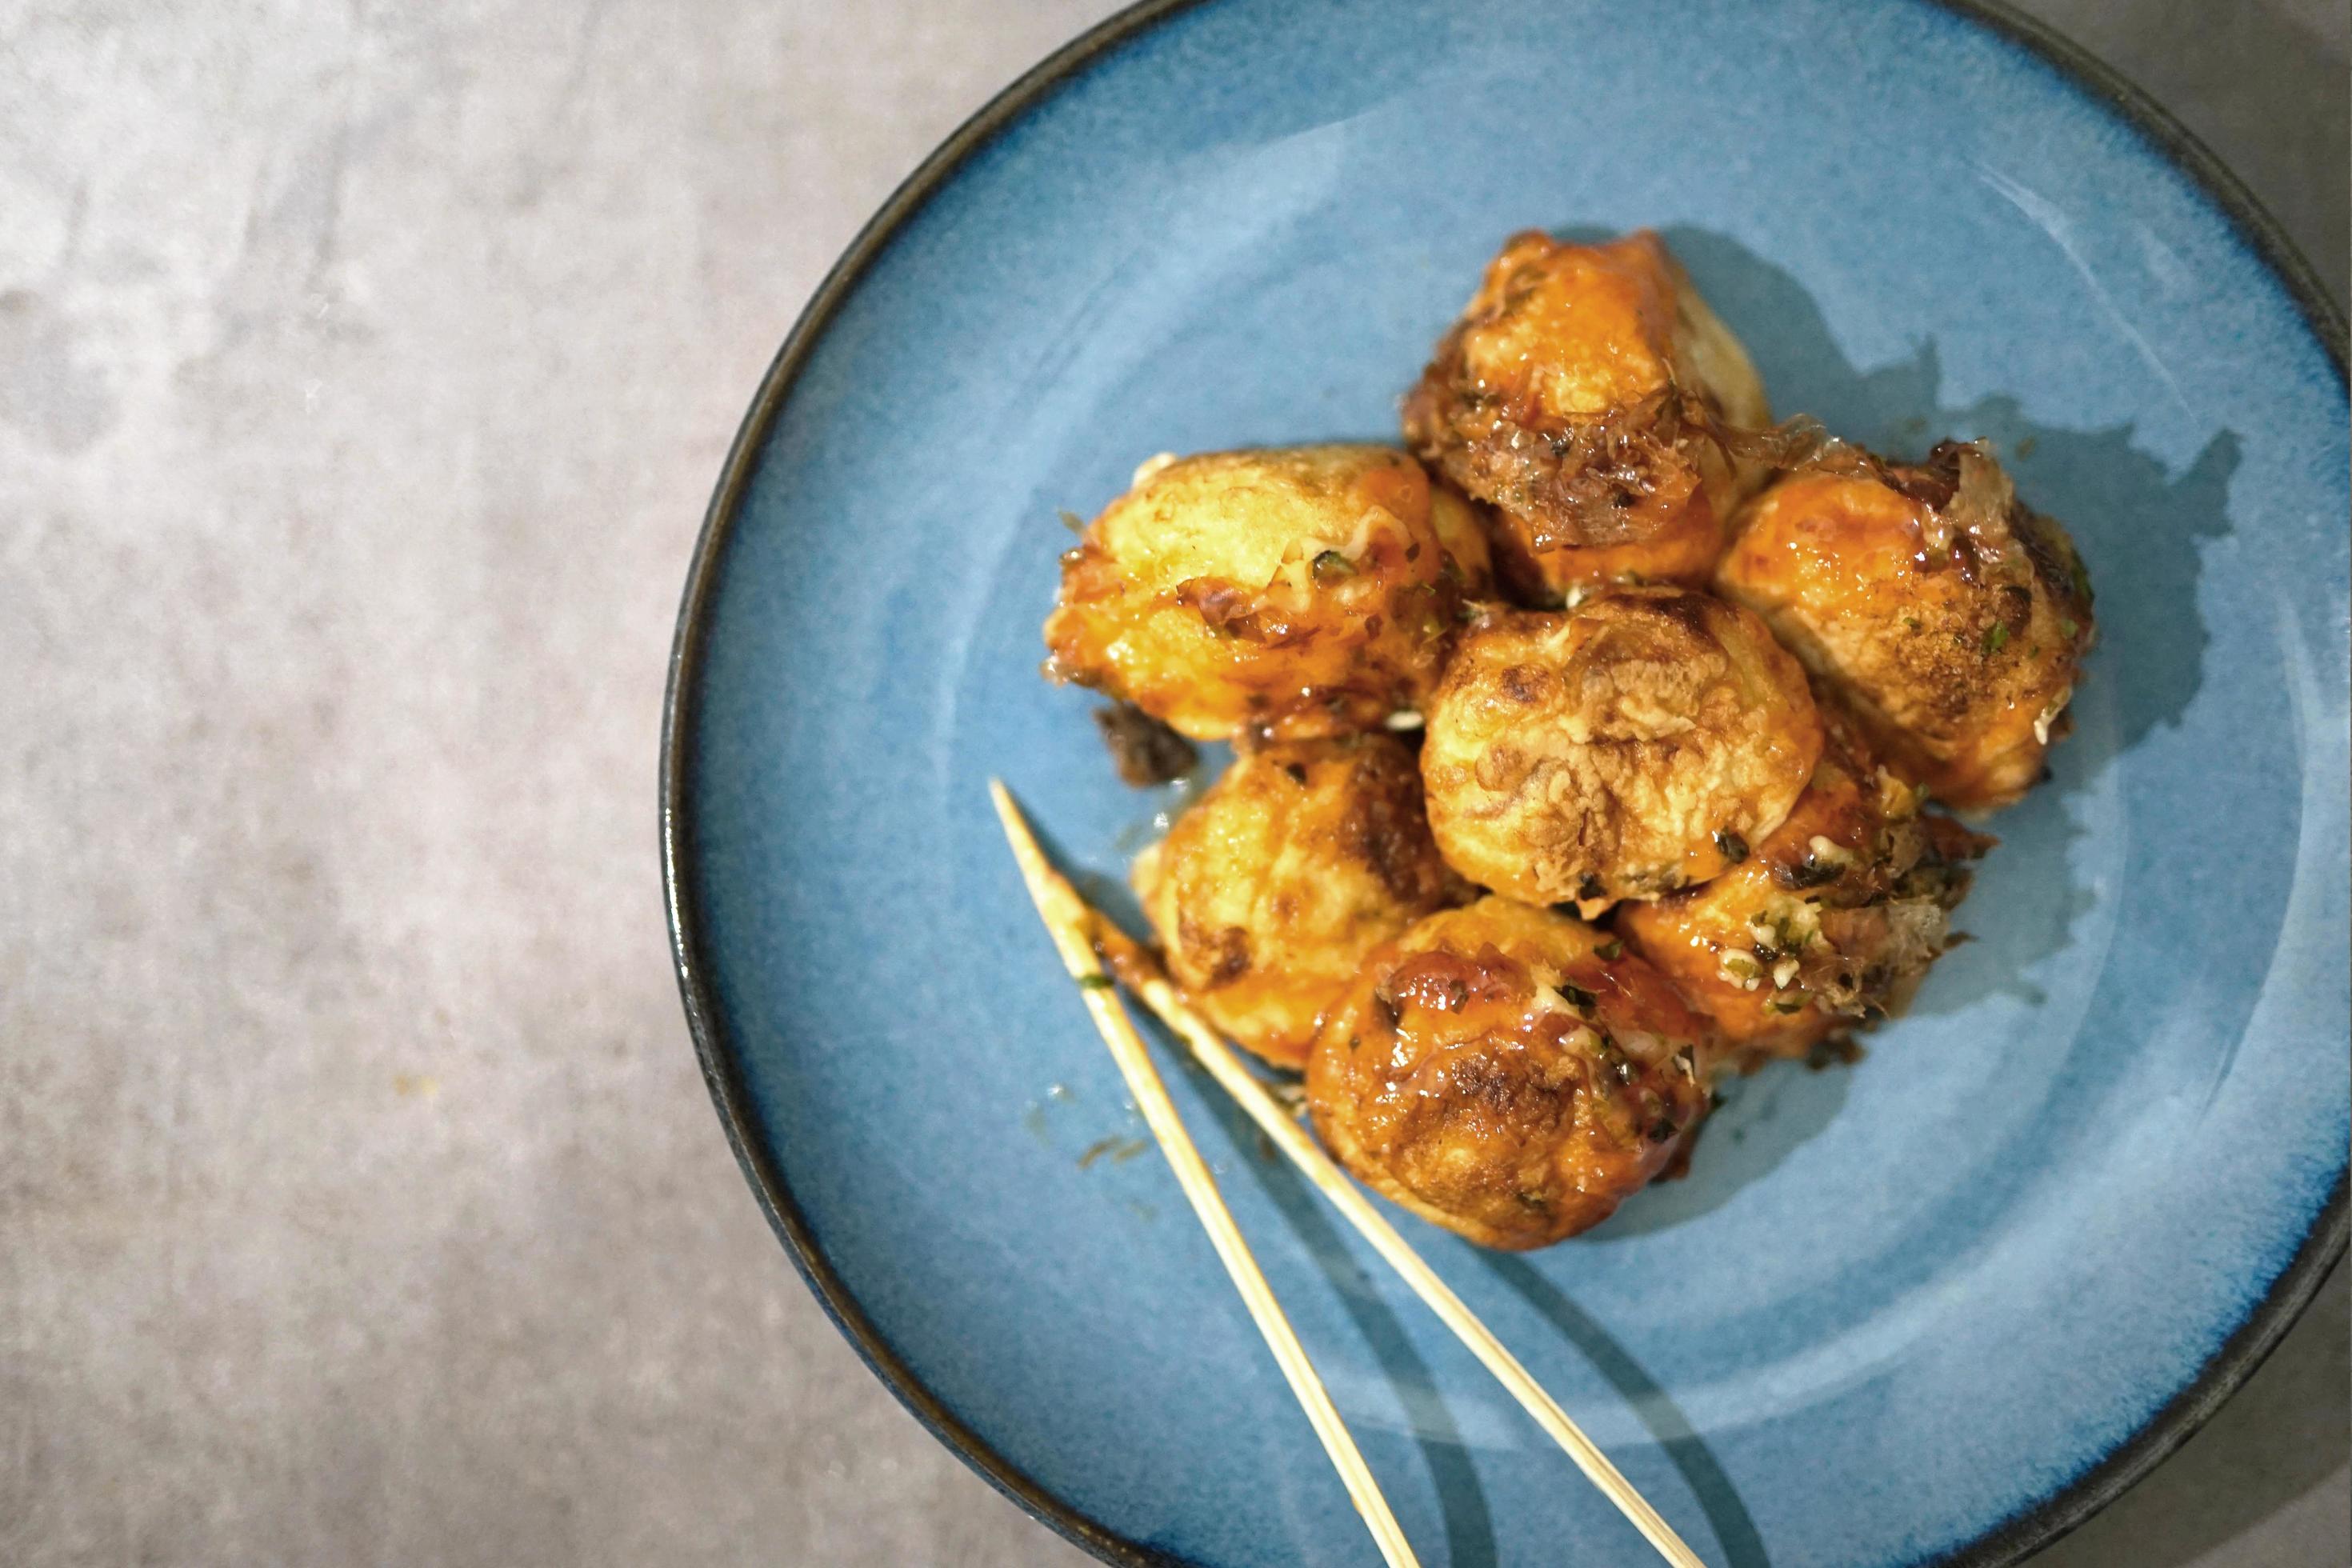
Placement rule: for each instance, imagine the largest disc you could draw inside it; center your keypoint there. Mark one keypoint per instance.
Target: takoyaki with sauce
(1828, 923)
(1268, 894)
(1588, 393)
(1625, 748)
(1282, 593)
(1950, 617)
(1579, 659)
(1507, 1072)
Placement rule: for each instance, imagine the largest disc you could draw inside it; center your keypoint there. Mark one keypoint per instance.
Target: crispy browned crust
(1493, 1072)
(1268, 893)
(1615, 750)
(1610, 479)
(1683, 551)
(1574, 394)
(1235, 631)
(1952, 618)
(1831, 920)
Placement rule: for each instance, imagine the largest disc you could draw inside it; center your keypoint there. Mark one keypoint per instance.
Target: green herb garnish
(1730, 846)
(1577, 996)
(1611, 950)
(1094, 982)
(1996, 637)
(1333, 567)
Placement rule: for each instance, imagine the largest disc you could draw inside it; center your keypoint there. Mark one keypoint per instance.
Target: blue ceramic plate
(1940, 1306)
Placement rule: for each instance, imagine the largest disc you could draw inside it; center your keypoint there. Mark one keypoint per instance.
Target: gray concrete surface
(362, 373)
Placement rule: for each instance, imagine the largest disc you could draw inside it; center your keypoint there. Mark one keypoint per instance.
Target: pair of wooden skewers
(1087, 942)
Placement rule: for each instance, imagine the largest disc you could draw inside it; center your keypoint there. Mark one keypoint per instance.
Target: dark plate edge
(2011, 1541)
(2035, 1527)
(719, 1070)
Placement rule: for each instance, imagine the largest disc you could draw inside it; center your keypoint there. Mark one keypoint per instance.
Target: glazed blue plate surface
(1939, 1304)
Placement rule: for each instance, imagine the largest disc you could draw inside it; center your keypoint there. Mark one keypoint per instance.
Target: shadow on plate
(1758, 1122)
(1726, 1515)
(2142, 529)
(1469, 1525)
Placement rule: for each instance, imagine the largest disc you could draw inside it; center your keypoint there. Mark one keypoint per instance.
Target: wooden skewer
(1141, 974)
(1071, 923)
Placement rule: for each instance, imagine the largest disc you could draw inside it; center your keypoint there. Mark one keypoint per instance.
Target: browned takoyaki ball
(1831, 920)
(1283, 594)
(1952, 618)
(1494, 1072)
(1300, 861)
(1585, 393)
(1628, 747)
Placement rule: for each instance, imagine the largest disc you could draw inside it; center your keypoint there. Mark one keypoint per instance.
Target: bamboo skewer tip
(1071, 923)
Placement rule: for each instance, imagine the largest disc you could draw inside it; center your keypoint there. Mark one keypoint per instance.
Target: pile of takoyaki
(1585, 748)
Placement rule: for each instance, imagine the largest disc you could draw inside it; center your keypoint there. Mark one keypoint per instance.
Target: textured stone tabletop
(364, 371)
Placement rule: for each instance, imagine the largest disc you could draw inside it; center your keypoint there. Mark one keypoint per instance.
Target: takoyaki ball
(1268, 894)
(1584, 393)
(1952, 618)
(1494, 1072)
(1625, 748)
(1831, 920)
(1282, 593)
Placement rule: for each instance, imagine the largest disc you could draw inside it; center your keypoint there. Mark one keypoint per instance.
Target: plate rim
(2008, 1542)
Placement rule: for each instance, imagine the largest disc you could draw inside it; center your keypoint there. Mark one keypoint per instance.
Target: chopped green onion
(1094, 982)
(1996, 637)
(1331, 567)
(1612, 949)
(1730, 846)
